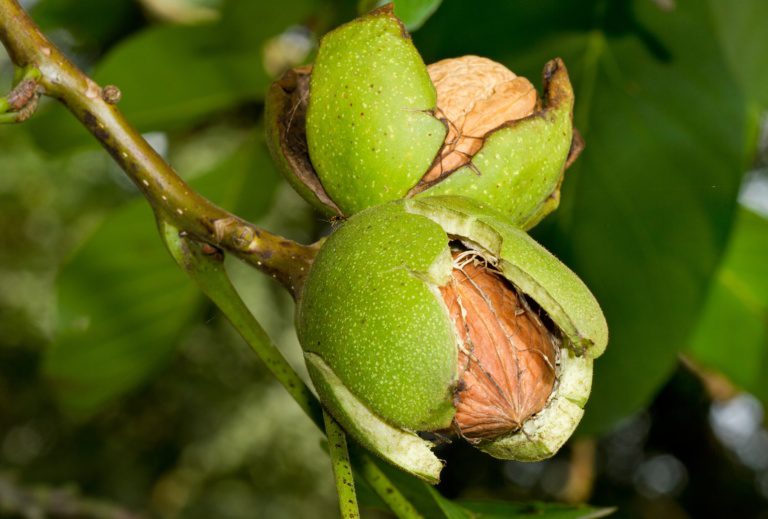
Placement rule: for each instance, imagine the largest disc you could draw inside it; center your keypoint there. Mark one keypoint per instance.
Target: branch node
(213, 252)
(92, 91)
(221, 228)
(243, 238)
(21, 102)
(111, 94)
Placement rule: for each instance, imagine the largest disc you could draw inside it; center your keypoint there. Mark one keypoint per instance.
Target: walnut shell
(507, 356)
(475, 96)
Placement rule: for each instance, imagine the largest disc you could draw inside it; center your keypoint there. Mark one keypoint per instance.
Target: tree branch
(170, 197)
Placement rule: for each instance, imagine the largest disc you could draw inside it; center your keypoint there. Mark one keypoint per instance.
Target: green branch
(169, 195)
(342, 470)
(382, 485)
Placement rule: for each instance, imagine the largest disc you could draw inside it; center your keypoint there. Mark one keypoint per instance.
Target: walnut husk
(287, 134)
(475, 96)
(507, 356)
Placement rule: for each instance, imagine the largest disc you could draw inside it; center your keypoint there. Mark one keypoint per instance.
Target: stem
(342, 470)
(382, 485)
(169, 195)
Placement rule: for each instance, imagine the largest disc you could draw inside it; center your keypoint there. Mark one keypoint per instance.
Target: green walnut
(369, 123)
(435, 315)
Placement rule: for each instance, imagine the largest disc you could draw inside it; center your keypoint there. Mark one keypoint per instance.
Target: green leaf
(174, 76)
(646, 210)
(741, 31)
(92, 22)
(421, 495)
(413, 13)
(491, 510)
(123, 303)
(122, 306)
(732, 334)
(430, 503)
(449, 509)
(646, 215)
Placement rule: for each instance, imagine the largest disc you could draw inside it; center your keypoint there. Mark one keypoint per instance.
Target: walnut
(475, 96)
(506, 354)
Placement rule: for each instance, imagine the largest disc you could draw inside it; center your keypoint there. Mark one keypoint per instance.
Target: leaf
(422, 496)
(646, 210)
(502, 30)
(491, 510)
(413, 13)
(732, 334)
(450, 509)
(184, 11)
(647, 213)
(92, 22)
(122, 306)
(741, 31)
(123, 303)
(430, 503)
(174, 76)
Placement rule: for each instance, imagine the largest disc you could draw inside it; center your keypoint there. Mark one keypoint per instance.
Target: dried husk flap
(286, 108)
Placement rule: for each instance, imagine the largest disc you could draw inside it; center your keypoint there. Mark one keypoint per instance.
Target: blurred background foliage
(123, 393)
